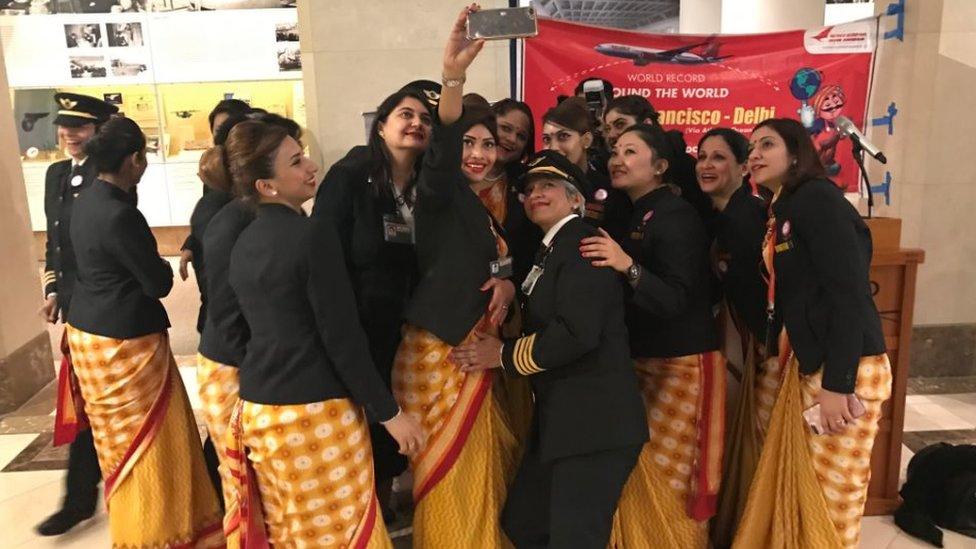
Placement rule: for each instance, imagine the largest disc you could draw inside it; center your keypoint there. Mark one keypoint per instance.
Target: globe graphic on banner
(805, 83)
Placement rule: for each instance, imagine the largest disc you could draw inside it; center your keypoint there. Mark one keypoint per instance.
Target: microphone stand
(858, 151)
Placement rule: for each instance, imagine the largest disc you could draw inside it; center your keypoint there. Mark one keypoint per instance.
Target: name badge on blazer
(501, 268)
(638, 233)
(531, 279)
(785, 246)
(396, 230)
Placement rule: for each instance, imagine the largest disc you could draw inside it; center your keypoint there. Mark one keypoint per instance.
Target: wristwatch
(634, 273)
(452, 82)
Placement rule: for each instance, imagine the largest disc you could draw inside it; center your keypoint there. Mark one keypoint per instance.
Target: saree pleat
(747, 429)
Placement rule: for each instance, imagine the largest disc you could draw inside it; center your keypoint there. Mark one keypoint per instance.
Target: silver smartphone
(502, 24)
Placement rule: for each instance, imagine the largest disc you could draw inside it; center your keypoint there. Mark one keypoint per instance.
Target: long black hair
(380, 168)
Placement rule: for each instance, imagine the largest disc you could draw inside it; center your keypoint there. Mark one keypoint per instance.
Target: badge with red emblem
(648, 215)
(786, 229)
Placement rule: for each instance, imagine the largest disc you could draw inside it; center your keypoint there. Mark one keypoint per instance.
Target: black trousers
(568, 502)
(383, 333)
(84, 474)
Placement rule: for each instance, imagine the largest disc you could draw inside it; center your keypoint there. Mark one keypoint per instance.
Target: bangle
(452, 82)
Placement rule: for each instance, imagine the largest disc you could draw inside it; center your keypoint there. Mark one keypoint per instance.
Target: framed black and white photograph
(286, 32)
(84, 35)
(127, 65)
(87, 66)
(289, 57)
(124, 35)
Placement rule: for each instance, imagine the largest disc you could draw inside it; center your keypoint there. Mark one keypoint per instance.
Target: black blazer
(575, 354)
(383, 274)
(823, 254)
(225, 332)
(669, 311)
(121, 276)
(455, 244)
(208, 206)
(306, 342)
(739, 231)
(60, 268)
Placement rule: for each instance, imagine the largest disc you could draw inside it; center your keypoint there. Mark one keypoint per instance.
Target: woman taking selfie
(816, 255)
(459, 482)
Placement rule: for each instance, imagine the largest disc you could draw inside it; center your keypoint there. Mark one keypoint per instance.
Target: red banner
(701, 82)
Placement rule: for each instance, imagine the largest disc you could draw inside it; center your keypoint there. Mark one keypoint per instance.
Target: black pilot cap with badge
(76, 110)
(429, 90)
(549, 164)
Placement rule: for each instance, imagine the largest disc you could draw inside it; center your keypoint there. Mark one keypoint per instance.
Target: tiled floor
(31, 471)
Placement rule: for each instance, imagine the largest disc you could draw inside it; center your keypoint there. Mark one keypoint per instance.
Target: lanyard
(406, 210)
(768, 260)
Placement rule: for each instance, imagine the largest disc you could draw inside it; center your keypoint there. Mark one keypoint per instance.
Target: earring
(274, 193)
(793, 163)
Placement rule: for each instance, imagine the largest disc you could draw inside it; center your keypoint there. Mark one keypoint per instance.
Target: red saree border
(247, 520)
(443, 451)
(364, 533)
(703, 498)
(69, 416)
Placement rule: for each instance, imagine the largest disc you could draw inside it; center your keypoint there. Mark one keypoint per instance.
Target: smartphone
(502, 24)
(812, 414)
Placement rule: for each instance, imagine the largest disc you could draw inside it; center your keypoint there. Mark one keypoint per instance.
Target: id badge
(501, 268)
(529, 284)
(396, 230)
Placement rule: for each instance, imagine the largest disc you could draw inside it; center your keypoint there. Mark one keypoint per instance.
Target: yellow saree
(157, 490)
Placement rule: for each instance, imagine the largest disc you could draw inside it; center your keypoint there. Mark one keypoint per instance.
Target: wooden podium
(893, 276)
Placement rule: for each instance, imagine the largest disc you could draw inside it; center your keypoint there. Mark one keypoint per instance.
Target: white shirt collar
(75, 163)
(551, 233)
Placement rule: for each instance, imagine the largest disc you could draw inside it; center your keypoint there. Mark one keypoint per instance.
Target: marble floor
(31, 471)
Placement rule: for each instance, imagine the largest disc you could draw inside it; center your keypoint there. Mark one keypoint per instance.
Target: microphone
(848, 128)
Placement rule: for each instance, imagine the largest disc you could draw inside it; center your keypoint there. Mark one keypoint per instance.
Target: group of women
(534, 335)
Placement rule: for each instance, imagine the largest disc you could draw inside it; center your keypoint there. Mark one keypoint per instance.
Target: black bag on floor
(940, 491)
